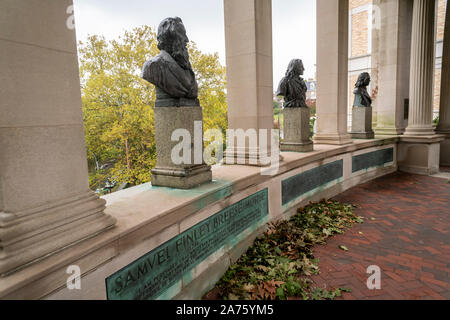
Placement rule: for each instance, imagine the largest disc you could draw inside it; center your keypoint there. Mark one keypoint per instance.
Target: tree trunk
(127, 154)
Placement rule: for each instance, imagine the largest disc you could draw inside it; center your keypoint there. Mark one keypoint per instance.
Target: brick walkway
(406, 233)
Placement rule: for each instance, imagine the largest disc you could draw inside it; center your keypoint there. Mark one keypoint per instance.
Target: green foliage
(276, 104)
(278, 118)
(278, 264)
(312, 120)
(436, 120)
(118, 104)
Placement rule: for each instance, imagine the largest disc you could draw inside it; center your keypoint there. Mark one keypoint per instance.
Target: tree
(118, 104)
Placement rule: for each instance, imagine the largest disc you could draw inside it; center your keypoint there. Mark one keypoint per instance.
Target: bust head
(295, 68)
(363, 80)
(362, 97)
(172, 38)
(170, 71)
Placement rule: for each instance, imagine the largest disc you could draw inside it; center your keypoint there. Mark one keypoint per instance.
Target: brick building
(364, 23)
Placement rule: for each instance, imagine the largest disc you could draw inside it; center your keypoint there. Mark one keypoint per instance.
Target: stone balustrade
(149, 218)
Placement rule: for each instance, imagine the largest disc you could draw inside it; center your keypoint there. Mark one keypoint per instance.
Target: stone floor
(406, 233)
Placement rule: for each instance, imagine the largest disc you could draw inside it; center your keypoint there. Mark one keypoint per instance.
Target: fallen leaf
(233, 297)
(343, 248)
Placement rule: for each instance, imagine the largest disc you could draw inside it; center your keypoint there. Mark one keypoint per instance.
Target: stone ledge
(428, 139)
(135, 222)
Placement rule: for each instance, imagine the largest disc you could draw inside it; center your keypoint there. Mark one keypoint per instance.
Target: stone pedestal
(296, 130)
(362, 123)
(445, 150)
(184, 175)
(419, 154)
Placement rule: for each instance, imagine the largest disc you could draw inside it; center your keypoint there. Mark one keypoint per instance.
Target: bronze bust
(292, 87)
(171, 71)
(362, 97)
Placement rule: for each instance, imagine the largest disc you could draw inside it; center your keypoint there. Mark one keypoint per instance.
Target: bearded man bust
(292, 87)
(170, 71)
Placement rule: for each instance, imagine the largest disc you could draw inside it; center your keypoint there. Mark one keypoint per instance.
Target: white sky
(294, 25)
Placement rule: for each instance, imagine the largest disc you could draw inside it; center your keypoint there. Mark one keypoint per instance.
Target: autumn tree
(118, 104)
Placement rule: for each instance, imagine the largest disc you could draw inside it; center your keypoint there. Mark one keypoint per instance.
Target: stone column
(45, 201)
(332, 72)
(374, 58)
(422, 67)
(394, 20)
(419, 147)
(444, 110)
(248, 40)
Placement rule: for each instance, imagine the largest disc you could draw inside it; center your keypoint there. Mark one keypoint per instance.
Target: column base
(297, 146)
(333, 139)
(419, 154)
(422, 131)
(181, 178)
(388, 131)
(32, 235)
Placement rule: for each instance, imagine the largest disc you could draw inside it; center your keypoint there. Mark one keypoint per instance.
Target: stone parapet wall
(155, 225)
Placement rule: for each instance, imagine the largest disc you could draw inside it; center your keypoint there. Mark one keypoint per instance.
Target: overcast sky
(294, 27)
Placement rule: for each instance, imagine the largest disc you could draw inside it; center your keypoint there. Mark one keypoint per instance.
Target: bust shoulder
(158, 61)
(357, 90)
(154, 68)
(281, 91)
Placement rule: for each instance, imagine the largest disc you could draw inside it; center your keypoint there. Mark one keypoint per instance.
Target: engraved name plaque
(155, 272)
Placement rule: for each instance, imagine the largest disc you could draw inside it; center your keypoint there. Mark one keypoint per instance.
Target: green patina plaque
(372, 159)
(152, 274)
(295, 186)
